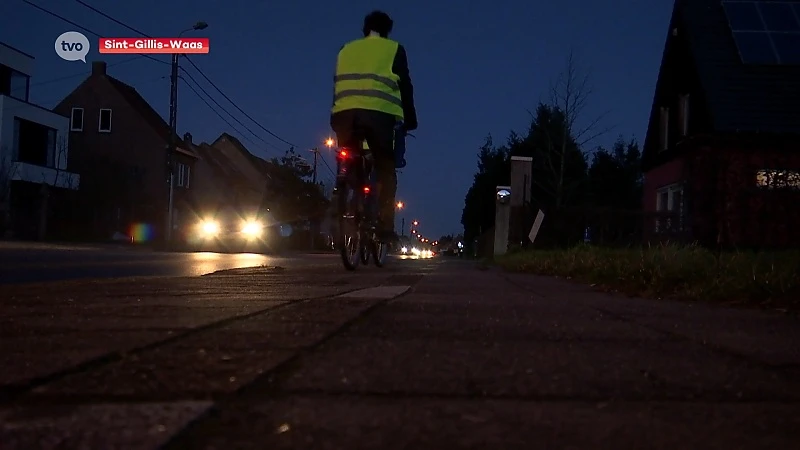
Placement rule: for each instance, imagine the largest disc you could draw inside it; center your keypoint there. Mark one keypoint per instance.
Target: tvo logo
(72, 46)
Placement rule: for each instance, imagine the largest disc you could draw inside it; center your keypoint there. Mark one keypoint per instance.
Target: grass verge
(768, 280)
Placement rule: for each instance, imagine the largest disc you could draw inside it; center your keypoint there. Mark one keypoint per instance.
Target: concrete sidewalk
(426, 356)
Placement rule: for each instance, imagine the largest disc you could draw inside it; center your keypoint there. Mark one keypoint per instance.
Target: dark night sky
(475, 69)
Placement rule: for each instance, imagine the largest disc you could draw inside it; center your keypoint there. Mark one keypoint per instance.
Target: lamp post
(399, 206)
(173, 126)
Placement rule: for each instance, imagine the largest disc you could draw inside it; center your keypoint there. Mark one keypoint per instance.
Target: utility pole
(315, 150)
(311, 223)
(173, 131)
(173, 125)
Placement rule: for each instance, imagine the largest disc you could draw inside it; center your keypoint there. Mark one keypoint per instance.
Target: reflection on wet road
(27, 263)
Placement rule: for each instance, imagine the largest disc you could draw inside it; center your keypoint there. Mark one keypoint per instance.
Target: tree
(493, 170)
(615, 176)
(559, 165)
(569, 96)
(295, 197)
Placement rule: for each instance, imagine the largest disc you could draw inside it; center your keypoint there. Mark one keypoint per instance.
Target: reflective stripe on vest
(364, 77)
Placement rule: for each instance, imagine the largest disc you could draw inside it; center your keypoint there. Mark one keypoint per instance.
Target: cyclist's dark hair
(379, 22)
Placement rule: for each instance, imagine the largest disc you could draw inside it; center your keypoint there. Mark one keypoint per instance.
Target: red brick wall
(663, 175)
(728, 207)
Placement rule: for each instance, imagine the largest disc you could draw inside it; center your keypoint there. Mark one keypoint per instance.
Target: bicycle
(357, 206)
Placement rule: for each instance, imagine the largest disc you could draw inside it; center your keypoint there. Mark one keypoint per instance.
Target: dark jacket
(400, 68)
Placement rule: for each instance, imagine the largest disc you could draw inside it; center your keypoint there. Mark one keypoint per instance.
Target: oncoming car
(234, 232)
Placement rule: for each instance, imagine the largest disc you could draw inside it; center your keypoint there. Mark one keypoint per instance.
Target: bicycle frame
(354, 167)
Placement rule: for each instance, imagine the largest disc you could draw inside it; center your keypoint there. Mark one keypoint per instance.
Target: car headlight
(209, 228)
(404, 249)
(252, 228)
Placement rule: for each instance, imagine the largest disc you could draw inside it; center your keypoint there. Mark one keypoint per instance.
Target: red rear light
(366, 189)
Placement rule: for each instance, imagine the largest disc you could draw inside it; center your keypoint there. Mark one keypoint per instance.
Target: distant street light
(329, 142)
(415, 223)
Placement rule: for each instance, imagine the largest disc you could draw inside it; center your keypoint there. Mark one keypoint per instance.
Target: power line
(193, 65)
(237, 106)
(216, 112)
(227, 112)
(47, 11)
(84, 73)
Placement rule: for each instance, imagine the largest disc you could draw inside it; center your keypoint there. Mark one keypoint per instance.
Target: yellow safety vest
(364, 77)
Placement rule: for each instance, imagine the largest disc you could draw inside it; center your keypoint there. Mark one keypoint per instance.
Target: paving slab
(464, 358)
(34, 356)
(438, 317)
(141, 426)
(646, 370)
(348, 422)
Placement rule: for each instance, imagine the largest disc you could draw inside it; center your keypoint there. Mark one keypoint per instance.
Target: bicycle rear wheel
(349, 233)
(380, 251)
(365, 254)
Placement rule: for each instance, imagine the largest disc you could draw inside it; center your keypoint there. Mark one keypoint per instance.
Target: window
(664, 129)
(683, 111)
(780, 179)
(184, 174)
(669, 202)
(14, 84)
(34, 143)
(104, 125)
(76, 120)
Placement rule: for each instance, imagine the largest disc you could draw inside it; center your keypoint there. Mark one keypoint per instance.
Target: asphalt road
(22, 262)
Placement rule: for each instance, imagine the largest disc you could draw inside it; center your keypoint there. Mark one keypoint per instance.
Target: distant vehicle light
(404, 250)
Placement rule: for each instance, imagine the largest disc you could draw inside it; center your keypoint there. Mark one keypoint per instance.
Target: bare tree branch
(569, 95)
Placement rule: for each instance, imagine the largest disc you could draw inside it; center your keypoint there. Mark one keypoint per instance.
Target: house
(252, 178)
(721, 157)
(218, 183)
(34, 152)
(119, 146)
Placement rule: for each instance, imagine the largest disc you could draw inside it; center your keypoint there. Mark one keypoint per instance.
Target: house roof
(257, 163)
(219, 163)
(741, 97)
(150, 115)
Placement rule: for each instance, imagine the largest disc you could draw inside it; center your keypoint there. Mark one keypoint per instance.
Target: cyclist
(372, 96)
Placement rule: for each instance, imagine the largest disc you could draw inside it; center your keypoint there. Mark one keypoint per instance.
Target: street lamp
(399, 206)
(173, 128)
(329, 142)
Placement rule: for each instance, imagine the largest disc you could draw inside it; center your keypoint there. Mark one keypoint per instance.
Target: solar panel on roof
(765, 32)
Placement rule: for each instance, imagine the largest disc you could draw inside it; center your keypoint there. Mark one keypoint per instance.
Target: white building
(33, 141)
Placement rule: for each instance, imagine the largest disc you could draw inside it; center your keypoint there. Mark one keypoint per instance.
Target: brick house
(721, 157)
(218, 181)
(119, 147)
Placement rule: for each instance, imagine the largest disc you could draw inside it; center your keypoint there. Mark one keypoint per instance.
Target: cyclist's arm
(400, 67)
